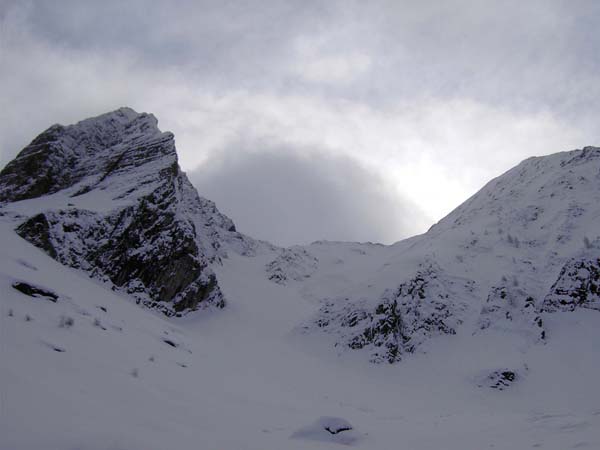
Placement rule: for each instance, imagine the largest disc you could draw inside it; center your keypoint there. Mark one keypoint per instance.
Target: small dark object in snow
(28, 318)
(337, 430)
(102, 308)
(182, 365)
(170, 342)
(328, 429)
(66, 322)
(501, 379)
(135, 373)
(10, 313)
(53, 347)
(508, 376)
(98, 324)
(151, 359)
(34, 291)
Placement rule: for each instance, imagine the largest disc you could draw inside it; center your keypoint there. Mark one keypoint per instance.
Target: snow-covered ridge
(523, 246)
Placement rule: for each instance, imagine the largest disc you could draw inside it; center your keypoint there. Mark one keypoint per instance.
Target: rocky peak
(116, 204)
(91, 150)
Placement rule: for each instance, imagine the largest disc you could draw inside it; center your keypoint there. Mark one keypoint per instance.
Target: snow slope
(240, 378)
(494, 337)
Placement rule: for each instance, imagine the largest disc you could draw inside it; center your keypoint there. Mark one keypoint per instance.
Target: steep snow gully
(136, 316)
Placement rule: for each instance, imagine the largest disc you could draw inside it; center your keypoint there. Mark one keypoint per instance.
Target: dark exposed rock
(499, 379)
(37, 231)
(422, 307)
(34, 291)
(384, 331)
(577, 286)
(170, 342)
(337, 429)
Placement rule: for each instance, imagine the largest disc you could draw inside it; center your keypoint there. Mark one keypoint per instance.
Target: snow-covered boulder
(329, 429)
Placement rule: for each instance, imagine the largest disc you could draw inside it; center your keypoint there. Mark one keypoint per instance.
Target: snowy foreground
(244, 378)
(134, 315)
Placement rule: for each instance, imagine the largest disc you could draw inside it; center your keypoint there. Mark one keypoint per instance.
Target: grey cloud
(414, 86)
(291, 196)
(532, 55)
(217, 41)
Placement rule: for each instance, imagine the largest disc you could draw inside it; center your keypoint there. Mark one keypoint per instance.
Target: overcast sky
(305, 120)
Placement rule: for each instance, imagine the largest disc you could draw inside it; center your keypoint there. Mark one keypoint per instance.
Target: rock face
(577, 286)
(117, 205)
(424, 306)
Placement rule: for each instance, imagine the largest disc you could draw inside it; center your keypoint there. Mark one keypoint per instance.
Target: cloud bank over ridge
(396, 104)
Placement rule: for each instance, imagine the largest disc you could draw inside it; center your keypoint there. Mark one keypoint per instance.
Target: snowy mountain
(136, 316)
(527, 242)
(106, 195)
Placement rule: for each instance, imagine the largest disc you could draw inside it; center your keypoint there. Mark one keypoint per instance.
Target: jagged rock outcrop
(577, 286)
(403, 318)
(119, 207)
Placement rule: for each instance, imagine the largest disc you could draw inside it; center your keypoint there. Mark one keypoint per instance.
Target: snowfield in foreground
(93, 370)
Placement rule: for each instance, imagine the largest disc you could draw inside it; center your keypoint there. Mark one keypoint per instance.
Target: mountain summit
(109, 198)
